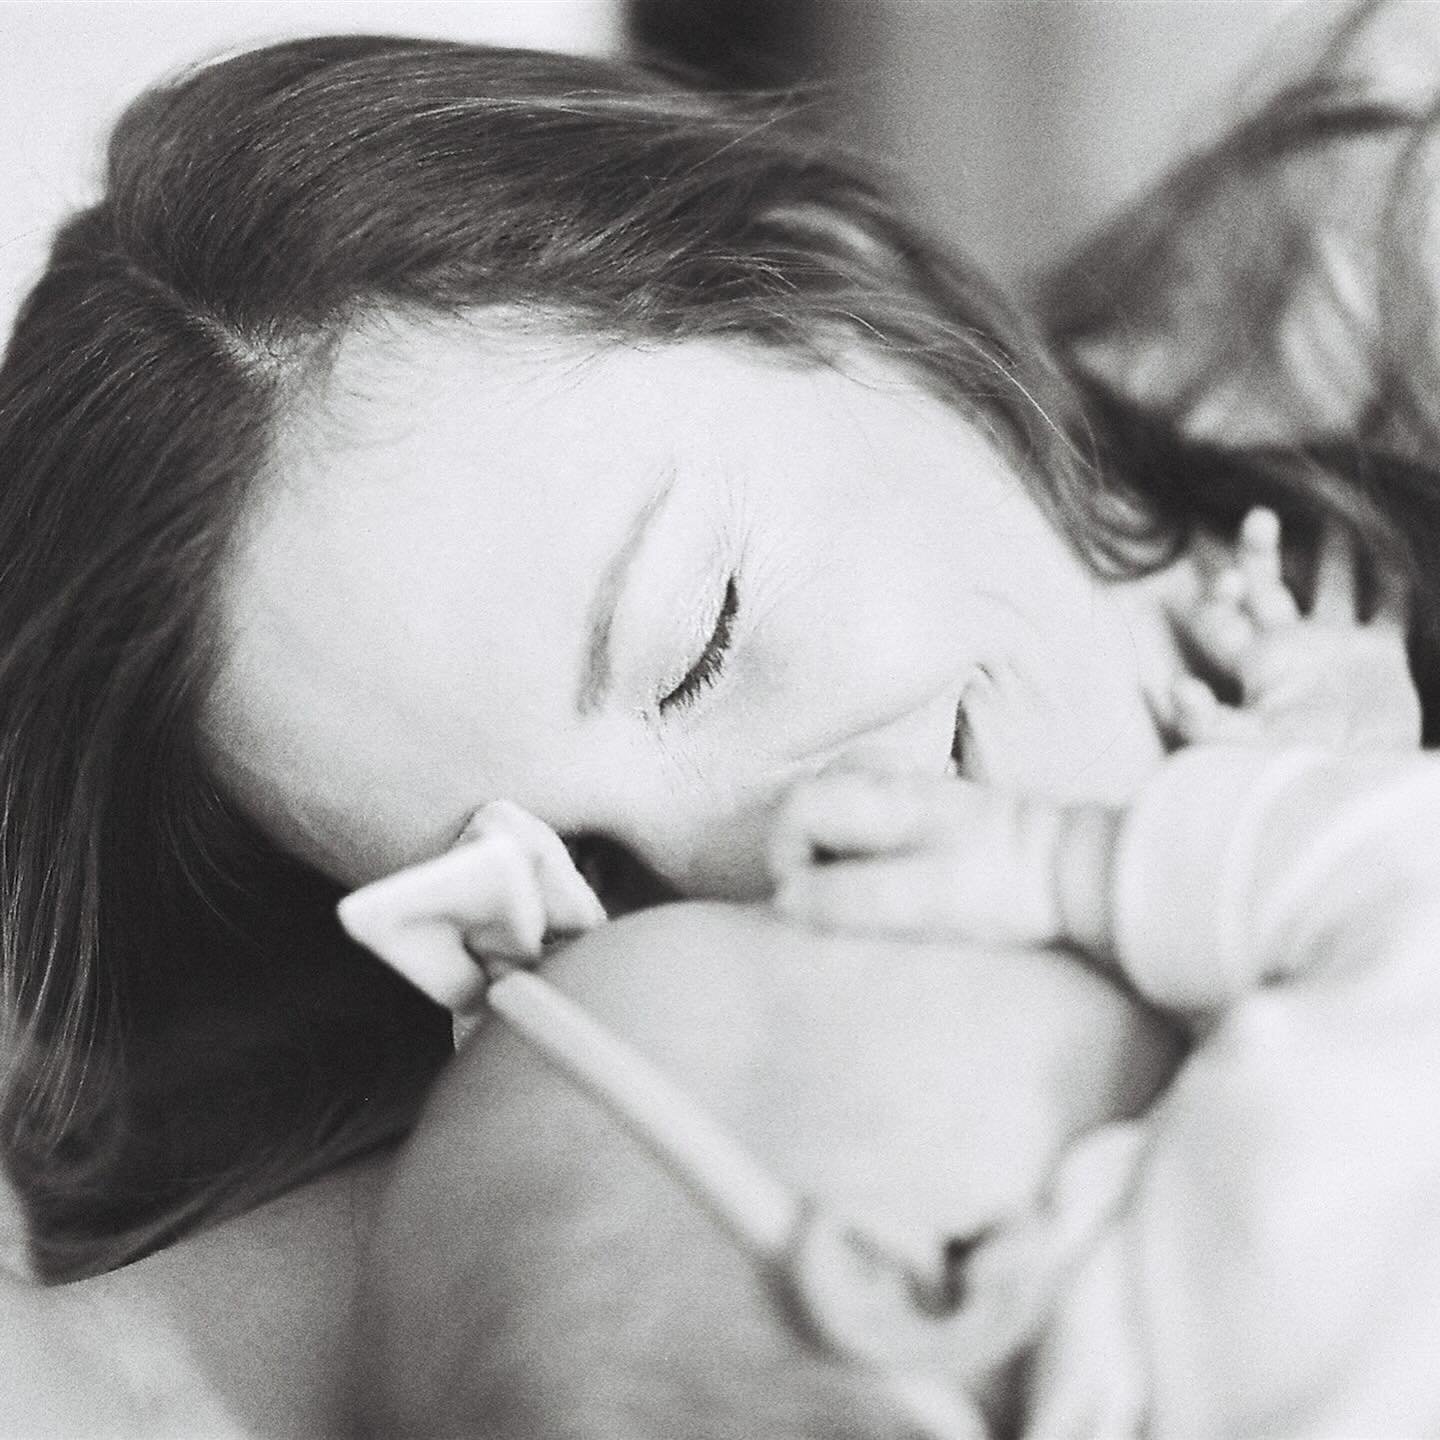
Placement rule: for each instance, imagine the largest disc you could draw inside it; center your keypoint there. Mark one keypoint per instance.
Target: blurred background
(1016, 123)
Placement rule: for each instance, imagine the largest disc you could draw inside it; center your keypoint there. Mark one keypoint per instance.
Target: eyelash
(706, 670)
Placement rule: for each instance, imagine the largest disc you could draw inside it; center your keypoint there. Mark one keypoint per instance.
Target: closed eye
(706, 669)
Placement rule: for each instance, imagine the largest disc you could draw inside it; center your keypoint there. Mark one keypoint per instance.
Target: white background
(1018, 123)
(68, 69)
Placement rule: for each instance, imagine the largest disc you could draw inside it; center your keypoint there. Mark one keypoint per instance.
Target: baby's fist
(938, 858)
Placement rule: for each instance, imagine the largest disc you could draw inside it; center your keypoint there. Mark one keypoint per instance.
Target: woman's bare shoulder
(242, 1329)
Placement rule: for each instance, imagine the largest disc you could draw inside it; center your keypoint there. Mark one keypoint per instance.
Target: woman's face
(637, 591)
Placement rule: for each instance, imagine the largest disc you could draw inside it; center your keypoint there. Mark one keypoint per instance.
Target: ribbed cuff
(1184, 869)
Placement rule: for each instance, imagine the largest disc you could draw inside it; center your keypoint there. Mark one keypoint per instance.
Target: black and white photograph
(715, 719)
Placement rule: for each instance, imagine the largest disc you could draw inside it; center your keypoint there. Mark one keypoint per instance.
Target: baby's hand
(1328, 677)
(506, 884)
(932, 858)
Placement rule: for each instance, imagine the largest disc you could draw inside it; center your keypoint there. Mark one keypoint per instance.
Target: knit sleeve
(1275, 1267)
(1241, 867)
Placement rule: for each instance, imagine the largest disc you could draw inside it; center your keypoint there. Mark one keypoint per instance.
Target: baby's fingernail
(589, 912)
(1260, 529)
(1229, 587)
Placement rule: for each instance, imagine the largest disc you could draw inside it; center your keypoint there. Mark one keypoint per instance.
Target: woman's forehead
(513, 365)
(499, 429)
(390, 374)
(434, 448)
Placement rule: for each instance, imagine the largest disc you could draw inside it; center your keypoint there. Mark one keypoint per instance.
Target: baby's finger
(846, 812)
(1335, 600)
(570, 904)
(902, 895)
(1193, 710)
(1260, 546)
(1221, 634)
(1392, 607)
(1228, 589)
(1201, 719)
(999, 889)
(1267, 598)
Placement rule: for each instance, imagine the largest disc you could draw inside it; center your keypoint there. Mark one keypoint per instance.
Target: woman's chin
(1090, 749)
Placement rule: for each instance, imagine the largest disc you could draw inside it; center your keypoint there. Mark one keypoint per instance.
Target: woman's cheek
(806, 687)
(1063, 714)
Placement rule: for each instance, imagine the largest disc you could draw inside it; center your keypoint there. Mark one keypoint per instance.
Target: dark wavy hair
(190, 1030)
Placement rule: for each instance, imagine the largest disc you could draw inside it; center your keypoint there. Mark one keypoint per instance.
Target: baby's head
(413, 424)
(533, 1269)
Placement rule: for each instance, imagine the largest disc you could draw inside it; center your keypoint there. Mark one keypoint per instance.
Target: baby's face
(636, 591)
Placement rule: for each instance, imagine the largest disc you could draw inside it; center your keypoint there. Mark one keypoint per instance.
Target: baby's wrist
(1083, 875)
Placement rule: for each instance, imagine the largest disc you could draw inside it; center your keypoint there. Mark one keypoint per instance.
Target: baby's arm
(931, 857)
(1326, 677)
(1279, 1249)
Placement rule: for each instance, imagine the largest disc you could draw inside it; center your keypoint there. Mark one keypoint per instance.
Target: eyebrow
(595, 674)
